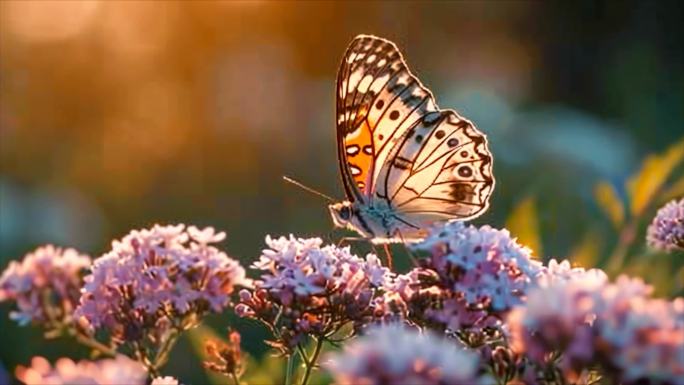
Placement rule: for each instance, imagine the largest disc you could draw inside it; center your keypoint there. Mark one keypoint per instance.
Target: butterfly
(405, 163)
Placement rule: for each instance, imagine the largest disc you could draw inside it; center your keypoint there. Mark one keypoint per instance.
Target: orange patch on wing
(361, 163)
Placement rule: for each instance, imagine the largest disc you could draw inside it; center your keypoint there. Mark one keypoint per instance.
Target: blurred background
(118, 115)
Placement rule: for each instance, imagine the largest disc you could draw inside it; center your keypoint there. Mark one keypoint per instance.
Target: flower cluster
(116, 371)
(159, 278)
(558, 316)
(394, 354)
(226, 358)
(45, 285)
(309, 289)
(640, 338)
(471, 278)
(578, 319)
(666, 232)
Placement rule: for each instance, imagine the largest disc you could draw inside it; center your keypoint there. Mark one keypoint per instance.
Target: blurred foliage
(588, 249)
(523, 224)
(655, 170)
(116, 115)
(608, 199)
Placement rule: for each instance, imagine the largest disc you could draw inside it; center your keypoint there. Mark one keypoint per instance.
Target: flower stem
(163, 353)
(290, 369)
(94, 344)
(314, 357)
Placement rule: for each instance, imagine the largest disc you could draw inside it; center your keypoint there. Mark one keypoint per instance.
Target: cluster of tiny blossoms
(115, 371)
(45, 285)
(577, 319)
(166, 276)
(394, 354)
(309, 289)
(470, 280)
(666, 232)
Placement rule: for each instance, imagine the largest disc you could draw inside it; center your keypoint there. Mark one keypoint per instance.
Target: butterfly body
(376, 221)
(405, 163)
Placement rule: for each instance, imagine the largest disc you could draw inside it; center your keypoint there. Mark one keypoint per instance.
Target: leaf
(587, 251)
(653, 174)
(523, 224)
(610, 202)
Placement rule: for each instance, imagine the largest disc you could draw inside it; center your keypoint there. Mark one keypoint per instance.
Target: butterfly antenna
(307, 188)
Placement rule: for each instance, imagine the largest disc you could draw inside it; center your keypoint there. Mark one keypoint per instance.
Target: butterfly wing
(396, 145)
(377, 97)
(442, 169)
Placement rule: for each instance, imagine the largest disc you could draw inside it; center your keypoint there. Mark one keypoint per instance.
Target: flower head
(116, 371)
(666, 232)
(471, 278)
(394, 354)
(45, 285)
(558, 315)
(311, 289)
(159, 276)
(590, 321)
(226, 357)
(640, 338)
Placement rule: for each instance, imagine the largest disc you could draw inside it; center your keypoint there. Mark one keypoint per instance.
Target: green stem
(235, 377)
(163, 354)
(290, 369)
(314, 357)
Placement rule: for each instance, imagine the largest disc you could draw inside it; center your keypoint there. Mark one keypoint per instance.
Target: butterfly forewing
(396, 145)
(376, 94)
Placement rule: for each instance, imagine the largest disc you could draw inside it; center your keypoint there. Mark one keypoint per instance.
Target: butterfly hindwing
(451, 172)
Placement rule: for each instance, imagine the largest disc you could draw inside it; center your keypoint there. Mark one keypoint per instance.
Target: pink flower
(472, 277)
(164, 272)
(591, 321)
(120, 370)
(558, 316)
(397, 355)
(45, 285)
(306, 288)
(639, 338)
(666, 232)
(168, 380)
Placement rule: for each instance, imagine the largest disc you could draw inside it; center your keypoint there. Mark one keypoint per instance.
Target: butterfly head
(341, 213)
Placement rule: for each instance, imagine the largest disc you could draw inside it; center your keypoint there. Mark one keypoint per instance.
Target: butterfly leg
(349, 240)
(388, 253)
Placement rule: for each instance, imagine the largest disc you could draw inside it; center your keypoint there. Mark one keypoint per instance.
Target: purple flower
(558, 316)
(45, 285)
(394, 354)
(639, 338)
(306, 288)
(116, 371)
(590, 321)
(157, 277)
(472, 277)
(666, 232)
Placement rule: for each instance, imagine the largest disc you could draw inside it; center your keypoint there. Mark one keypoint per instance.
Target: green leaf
(523, 224)
(610, 203)
(654, 172)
